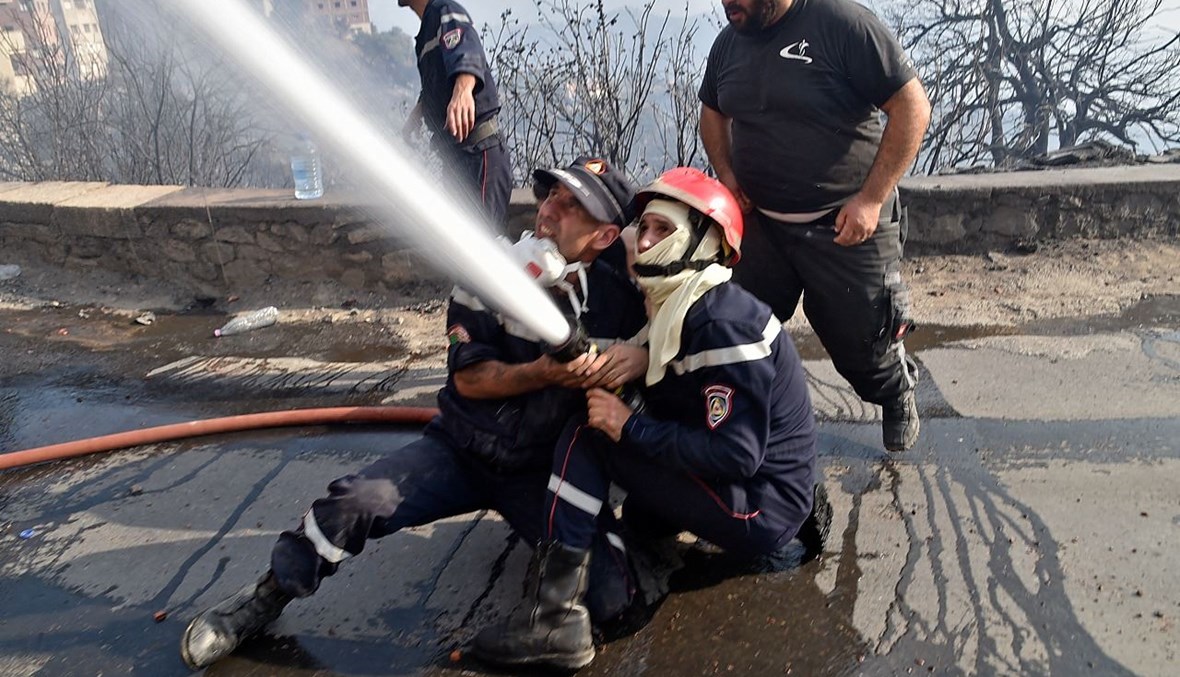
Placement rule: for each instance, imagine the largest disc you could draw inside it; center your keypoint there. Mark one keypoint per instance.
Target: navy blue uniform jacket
(520, 432)
(447, 44)
(733, 409)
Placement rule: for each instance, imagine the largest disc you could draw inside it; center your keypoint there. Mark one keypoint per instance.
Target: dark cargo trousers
(853, 296)
(418, 484)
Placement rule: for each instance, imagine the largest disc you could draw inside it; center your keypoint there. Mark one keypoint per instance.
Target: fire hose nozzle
(575, 346)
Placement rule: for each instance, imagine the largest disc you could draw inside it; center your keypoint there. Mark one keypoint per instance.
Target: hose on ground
(212, 426)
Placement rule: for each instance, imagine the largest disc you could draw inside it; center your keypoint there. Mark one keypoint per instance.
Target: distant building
(79, 20)
(352, 15)
(41, 36)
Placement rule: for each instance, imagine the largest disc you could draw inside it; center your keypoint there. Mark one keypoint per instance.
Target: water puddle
(1153, 311)
(175, 335)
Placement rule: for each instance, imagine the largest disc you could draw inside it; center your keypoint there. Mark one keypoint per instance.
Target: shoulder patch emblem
(718, 404)
(451, 38)
(457, 334)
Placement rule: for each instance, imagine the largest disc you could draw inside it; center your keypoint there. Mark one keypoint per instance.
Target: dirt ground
(1075, 279)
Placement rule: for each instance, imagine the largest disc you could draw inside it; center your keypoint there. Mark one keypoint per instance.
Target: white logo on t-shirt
(796, 51)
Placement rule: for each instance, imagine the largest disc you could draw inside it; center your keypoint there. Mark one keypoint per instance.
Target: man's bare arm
(909, 114)
(492, 379)
(461, 109)
(718, 142)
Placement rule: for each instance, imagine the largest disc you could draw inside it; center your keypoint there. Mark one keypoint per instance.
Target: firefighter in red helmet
(724, 445)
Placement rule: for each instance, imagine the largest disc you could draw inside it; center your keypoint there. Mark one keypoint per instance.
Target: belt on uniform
(484, 130)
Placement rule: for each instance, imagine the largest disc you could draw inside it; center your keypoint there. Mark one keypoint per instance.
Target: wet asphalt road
(1032, 531)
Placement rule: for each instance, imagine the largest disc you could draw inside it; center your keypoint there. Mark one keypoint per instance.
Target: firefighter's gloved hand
(538, 258)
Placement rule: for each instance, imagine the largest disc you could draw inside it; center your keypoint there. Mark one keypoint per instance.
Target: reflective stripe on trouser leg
(908, 368)
(323, 547)
(574, 496)
(577, 489)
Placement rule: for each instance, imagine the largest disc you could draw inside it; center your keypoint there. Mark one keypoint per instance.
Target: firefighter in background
(725, 446)
(459, 103)
(502, 410)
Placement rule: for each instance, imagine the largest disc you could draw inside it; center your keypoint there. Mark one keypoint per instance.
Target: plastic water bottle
(305, 169)
(255, 319)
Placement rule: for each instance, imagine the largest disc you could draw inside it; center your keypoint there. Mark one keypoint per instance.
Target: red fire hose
(211, 426)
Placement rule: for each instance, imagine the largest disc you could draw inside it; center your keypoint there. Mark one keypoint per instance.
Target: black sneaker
(899, 422)
(813, 534)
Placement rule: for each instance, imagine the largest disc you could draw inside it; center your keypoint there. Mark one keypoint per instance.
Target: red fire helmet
(704, 194)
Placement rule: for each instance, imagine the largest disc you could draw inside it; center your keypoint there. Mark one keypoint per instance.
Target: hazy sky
(386, 13)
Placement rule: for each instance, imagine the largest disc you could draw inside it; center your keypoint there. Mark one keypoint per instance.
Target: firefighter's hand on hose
(607, 413)
(564, 374)
(617, 366)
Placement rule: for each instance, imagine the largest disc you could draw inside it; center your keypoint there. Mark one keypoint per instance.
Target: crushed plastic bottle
(255, 319)
(9, 272)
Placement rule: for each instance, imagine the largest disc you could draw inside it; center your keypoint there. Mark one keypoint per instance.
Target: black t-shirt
(803, 96)
(447, 44)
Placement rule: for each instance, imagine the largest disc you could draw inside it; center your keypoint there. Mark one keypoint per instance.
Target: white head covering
(672, 295)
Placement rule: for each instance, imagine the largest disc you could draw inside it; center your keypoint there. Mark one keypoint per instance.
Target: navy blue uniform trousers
(420, 483)
(486, 175)
(665, 501)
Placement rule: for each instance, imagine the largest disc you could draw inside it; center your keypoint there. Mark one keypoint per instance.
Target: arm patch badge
(718, 404)
(451, 38)
(457, 334)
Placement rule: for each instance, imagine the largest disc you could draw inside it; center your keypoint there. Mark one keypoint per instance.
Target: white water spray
(436, 223)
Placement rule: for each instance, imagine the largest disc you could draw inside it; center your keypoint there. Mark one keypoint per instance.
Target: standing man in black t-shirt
(790, 120)
(459, 103)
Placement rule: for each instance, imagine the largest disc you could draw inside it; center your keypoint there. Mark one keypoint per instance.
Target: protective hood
(671, 296)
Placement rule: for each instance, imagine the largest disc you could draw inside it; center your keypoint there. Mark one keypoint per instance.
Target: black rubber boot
(813, 534)
(899, 422)
(551, 626)
(218, 631)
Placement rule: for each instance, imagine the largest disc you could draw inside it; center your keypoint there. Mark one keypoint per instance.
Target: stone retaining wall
(966, 213)
(215, 241)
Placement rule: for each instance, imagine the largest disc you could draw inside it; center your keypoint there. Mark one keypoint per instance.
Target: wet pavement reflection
(969, 555)
(721, 617)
